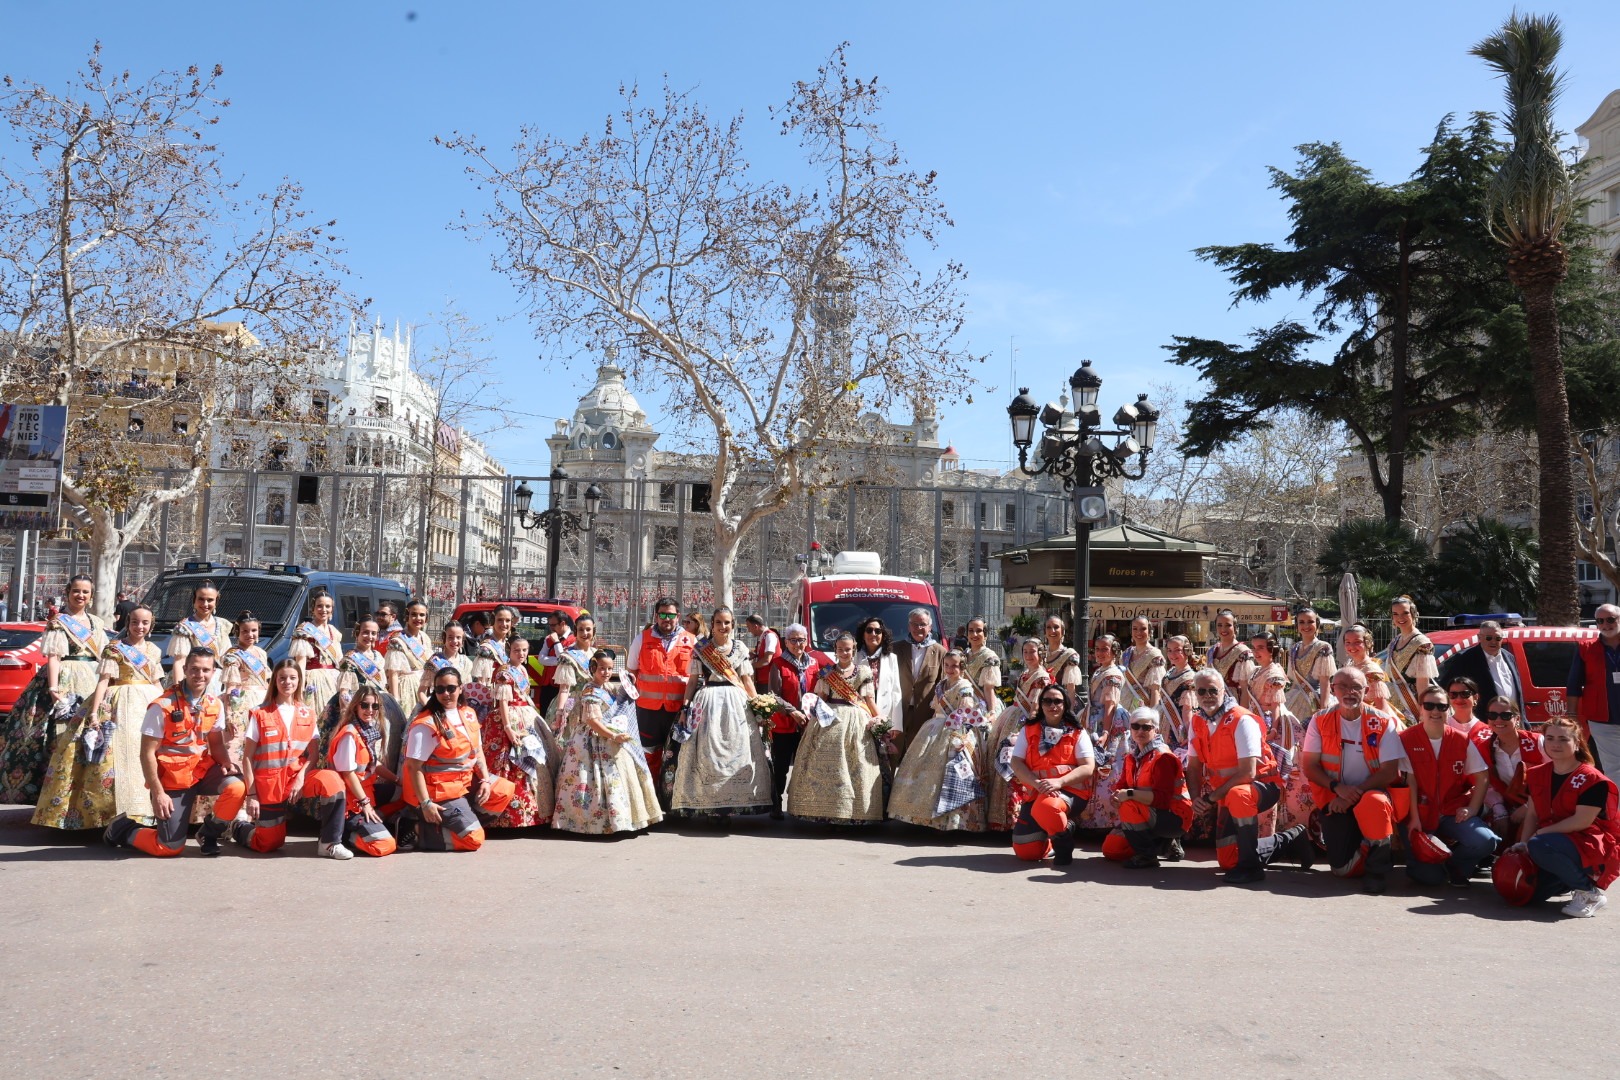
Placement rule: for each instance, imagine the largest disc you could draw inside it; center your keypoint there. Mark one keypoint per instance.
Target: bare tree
(776, 314)
(121, 237)
(1597, 515)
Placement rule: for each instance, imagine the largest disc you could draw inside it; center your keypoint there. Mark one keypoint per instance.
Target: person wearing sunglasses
(1231, 769)
(441, 763)
(1493, 668)
(1151, 798)
(1510, 751)
(874, 652)
(1572, 830)
(660, 659)
(1052, 757)
(1594, 681)
(1445, 777)
(1462, 694)
(353, 752)
(1351, 758)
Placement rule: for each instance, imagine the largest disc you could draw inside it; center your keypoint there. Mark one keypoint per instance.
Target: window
(984, 555)
(703, 543)
(604, 535)
(1585, 571)
(666, 496)
(666, 542)
(244, 401)
(947, 511)
(232, 547)
(182, 425)
(240, 449)
(320, 406)
(984, 515)
(382, 407)
(275, 508)
(317, 456)
(1009, 517)
(1614, 203)
(136, 424)
(278, 455)
(1549, 661)
(271, 549)
(352, 607)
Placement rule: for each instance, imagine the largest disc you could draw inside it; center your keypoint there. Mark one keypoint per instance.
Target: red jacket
(1160, 770)
(1599, 845)
(788, 684)
(1513, 792)
(1594, 697)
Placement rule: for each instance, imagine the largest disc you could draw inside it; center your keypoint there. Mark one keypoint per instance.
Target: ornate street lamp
(1073, 449)
(554, 521)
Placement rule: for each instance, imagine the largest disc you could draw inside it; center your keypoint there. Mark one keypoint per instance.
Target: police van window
(399, 601)
(1549, 661)
(352, 607)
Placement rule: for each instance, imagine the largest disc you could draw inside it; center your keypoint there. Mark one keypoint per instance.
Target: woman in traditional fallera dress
(1062, 662)
(73, 643)
(1408, 660)
(244, 678)
(1267, 666)
(453, 651)
(940, 783)
(408, 653)
(95, 770)
(1358, 654)
(1143, 663)
(1001, 798)
(518, 744)
(572, 664)
(317, 648)
(203, 628)
(488, 653)
(982, 667)
(1310, 668)
(1109, 718)
(837, 775)
(604, 785)
(1229, 656)
(723, 767)
(1176, 691)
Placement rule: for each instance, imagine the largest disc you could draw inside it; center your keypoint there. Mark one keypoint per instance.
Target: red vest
(1513, 792)
(1216, 745)
(364, 766)
(548, 675)
(1440, 785)
(1058, 761)
(1594, 708)
(1599, 844)
(279, 753)
(792, 689)
(1375, 727)
(182, 754)
(660, 675)
(1160, 770)
(448, 771)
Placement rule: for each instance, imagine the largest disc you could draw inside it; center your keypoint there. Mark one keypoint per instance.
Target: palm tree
(1530, 202)
(1488, 565)
(1375, 548)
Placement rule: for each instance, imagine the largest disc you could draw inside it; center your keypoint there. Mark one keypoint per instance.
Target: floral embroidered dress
(30, 734)
(81, 794)
(983, 670)
(407, 658)
(573, 669)
(604, 785)
(940, 784)
(1310, 670)
(837, 775)
(211, 633)
(487, 657)
(321, 649)
(521, 749)
(1408, 661)
(1002, 802)
(722, 767)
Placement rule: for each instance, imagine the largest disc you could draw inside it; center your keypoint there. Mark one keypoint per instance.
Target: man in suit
(1491, 666)
(919, 658)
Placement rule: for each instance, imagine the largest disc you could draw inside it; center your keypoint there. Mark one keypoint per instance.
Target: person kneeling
(183, 755)
(1572, 830)
(439, 762)
(1053, 758)
(352, 754)
(1229, 753)
(1155, 811)
(1447, 778)
(276, 758)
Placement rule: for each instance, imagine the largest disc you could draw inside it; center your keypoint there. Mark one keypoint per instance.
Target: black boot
(118, 832)
(1063, 846)
(1294, 845)
(1250, 870)
(1172, 851)
(1380, 858)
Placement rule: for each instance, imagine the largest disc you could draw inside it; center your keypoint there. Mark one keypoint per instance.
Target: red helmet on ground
(1427, 847)
(1514, 876)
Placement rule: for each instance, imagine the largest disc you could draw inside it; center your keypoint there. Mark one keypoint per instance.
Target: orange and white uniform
(351, 752)
(186, 769)
(1222, 743)
(284, 774)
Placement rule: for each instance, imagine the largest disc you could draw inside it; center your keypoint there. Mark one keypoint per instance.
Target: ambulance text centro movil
(856, 590)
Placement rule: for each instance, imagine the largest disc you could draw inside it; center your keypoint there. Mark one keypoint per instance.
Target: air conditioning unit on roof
(857, 562)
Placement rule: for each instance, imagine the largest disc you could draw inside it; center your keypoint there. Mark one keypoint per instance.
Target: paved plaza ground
(772, 950)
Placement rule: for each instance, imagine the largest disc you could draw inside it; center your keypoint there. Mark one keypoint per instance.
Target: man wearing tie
(920, 658)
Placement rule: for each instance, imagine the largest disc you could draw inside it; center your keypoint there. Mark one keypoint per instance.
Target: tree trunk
(107, 547)
(725, 564)
(1557, 599)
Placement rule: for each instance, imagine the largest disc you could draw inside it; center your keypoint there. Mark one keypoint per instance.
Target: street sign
(31, 443)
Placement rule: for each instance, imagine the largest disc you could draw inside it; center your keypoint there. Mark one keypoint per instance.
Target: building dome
(609, 404)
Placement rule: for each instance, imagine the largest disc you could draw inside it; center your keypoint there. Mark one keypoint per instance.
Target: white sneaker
(1585, 903)
(335, 851)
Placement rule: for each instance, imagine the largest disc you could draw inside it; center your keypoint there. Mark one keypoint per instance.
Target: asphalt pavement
(770, 949)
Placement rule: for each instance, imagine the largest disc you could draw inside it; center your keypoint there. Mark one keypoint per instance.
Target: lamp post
(554, 521)
(1073, 451)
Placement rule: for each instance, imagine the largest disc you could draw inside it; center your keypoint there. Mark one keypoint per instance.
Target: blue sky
(1083, 149)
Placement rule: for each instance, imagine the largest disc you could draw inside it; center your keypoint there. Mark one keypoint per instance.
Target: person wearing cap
(1151, 798)
(1594, 681)
(1446, 777)
(767, 647)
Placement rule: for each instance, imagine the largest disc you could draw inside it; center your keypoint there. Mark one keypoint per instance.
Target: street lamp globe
(593, 500)
(1146, 428)
(1022, 412)
(1085, 383)
(523, 496)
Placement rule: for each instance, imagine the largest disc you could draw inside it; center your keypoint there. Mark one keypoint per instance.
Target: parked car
(20, 659)
(1542, 655)
(277, 594)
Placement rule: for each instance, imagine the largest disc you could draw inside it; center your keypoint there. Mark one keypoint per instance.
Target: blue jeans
(1559, 861)
(1470, 841)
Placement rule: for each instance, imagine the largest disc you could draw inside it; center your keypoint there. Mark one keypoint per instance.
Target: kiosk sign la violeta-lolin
(31, 442)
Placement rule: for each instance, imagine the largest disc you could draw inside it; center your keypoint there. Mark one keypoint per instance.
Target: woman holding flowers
(837, 774)
(723, 767)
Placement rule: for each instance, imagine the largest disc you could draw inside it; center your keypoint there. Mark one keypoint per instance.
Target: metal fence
(456, 537)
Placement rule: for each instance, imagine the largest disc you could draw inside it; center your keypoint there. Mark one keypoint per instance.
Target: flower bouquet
(765, 707)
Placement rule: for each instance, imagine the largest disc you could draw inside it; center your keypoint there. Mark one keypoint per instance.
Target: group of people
(404, 740)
